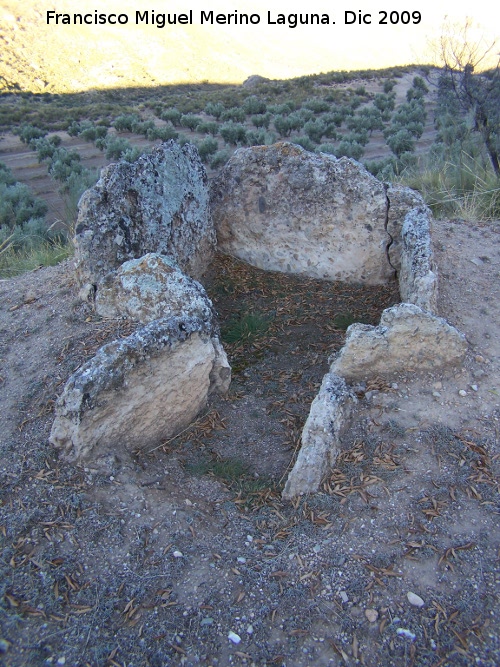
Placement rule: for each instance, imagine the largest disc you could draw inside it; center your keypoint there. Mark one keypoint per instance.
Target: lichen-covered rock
(407, 339)
(139, 391)
(157, 204)
(401, 199)
(328, 418)
(151, 288)
(282, 208)
(418, 274)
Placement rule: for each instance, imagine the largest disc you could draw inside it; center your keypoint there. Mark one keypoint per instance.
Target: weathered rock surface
(139, 391)
(321, 436)
(151, 288)
(282, 208)
(407, 338)
(157, 204)
(418, 275)
(401, 200)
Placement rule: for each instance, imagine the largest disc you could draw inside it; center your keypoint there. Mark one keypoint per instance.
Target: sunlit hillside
(38, 57)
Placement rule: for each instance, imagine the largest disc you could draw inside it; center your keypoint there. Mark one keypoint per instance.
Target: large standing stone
(321, 436)
(407, 339)
(151, 288)
(157, 204)
(137, 392)
(282, 208)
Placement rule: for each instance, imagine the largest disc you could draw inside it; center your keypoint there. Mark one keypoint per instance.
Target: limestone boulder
(321, 437)
(418, 283)
(151, 288)
(407, 339)
(282, 208)
(139, 391)
(157, 204)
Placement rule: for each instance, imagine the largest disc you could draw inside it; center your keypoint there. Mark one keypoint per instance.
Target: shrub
(254, 105)
(131, 154)
(261, 120)
(215, 109)
(349, 149)
(116, 147)
(18, 206)
(255, 138)
(282, 125)
(143, 127)
(314, 130)
(191, 121)
(207, 147)
(329, 149)
(316, 105)
(305, 142)
(28, 133)
(389, 85)
(235, 114)
(384, 102)
(208, 127)
(401, 142)
(125, 122)
(173, 115)
(163, 133)
(220, 158)
(305, 114)
(233, 133)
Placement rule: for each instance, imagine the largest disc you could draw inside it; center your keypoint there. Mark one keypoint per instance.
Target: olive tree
(477, 92)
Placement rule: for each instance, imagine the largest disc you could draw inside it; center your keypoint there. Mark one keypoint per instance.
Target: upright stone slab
(157, 204)
(138, 392)
(418, 283)
(407, 339)
(321, 436)
(282, 208)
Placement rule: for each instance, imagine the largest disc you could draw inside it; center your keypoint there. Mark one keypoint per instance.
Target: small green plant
(245, 327)
(344, 320)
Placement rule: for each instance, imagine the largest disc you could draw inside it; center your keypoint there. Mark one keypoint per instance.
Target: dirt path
(160, 560)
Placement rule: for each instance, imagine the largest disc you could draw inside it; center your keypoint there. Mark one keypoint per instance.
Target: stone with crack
(285, 209)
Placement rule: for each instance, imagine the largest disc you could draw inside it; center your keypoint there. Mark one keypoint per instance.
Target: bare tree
(478, 92)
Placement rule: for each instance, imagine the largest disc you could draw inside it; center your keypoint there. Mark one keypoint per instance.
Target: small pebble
(250, 630)
(403, 632)
(436, 394)
(438, 385)
(233, 637)
(207, 621)
(474, 387)
(240, 559)
(371, 615)
(462, 392)
(344, 596)
(178, 554)
(415, 600)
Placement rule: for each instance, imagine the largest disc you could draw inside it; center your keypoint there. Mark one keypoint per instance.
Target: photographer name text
(209, 17)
